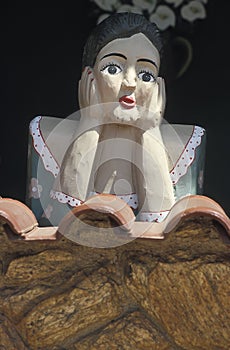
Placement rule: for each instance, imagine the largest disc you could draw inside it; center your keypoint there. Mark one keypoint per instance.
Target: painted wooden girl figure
(127, 157)
(120, 145)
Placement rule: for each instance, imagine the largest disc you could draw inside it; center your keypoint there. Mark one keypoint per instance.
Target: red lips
(127, 102)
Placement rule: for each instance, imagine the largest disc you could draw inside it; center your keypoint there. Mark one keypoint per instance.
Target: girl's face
(126, 71)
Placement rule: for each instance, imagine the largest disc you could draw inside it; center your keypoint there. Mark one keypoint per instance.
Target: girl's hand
(87, 89)
(156, 106)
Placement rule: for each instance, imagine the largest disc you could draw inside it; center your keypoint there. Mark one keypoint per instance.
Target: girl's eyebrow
(123, 56)
(147, 60)
(114, 54)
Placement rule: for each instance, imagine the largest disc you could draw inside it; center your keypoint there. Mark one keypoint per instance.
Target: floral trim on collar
(65, 198)
(153, 216)
(187, 157)
(41, 147)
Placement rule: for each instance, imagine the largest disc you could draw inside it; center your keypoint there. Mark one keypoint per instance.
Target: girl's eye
(146, 76)
(111, 69)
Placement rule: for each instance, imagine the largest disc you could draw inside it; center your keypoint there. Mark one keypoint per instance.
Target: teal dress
(49, 138)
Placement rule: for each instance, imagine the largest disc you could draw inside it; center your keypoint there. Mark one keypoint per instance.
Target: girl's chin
(123, 115)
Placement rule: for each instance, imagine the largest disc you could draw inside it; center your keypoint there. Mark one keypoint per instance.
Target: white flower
(129, 8)
(102, 17)
(193, 10)
(174, 2)
(164, 17)
(107, 5)
(148, 5)
(35, 189)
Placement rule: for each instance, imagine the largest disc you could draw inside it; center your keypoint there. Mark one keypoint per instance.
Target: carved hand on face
(87, 90)
(155, 106)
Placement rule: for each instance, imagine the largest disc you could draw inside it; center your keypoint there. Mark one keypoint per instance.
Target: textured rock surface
(147, 294)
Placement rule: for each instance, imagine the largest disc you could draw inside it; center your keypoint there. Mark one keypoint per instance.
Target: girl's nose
(130, 80)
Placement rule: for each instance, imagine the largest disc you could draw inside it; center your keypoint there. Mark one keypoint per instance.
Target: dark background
(41, 51)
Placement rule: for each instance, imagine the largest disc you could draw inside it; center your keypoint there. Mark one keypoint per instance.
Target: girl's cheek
(113, 85)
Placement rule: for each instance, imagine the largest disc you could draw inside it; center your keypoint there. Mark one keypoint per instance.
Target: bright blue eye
(111, 69)
(146, 76)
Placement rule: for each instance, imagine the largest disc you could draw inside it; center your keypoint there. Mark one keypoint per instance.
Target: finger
(89, 80)
(85, 93)
(161, 95)
(81, 95)
(84, 87)
(93, 93)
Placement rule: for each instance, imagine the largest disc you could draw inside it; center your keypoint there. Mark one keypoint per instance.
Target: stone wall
(166, 294)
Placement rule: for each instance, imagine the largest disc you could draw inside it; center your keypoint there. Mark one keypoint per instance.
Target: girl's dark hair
(119, 25)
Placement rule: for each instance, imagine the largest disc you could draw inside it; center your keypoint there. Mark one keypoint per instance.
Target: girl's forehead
(138, 45)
